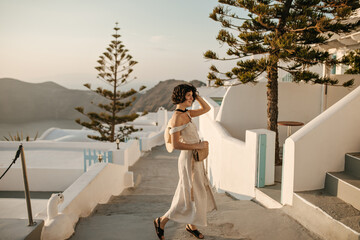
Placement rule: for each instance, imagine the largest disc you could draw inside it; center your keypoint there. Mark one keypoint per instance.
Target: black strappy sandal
(195, 233)
(159, 231)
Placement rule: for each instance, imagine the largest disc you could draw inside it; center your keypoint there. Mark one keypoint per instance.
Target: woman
(193, 197)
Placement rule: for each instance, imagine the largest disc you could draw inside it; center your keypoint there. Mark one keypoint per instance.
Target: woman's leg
(160, 225)
(193, 227)
(163, 221)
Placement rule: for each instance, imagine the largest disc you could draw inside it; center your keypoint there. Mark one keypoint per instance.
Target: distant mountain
(23, 102)
(28, 102)
(159, 96)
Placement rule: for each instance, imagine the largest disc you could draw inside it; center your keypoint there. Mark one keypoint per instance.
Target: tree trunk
(272, 103)
(113, 123)
(112, 136)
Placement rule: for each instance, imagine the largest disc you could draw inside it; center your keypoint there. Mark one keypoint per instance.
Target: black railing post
(27, 192)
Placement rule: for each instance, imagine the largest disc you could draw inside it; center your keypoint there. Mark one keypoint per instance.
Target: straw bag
(200, 154)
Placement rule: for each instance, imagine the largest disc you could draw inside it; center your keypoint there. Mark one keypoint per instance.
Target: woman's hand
(204, 144)
(197, 95)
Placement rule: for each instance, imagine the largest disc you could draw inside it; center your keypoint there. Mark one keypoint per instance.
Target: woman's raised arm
(204, 107)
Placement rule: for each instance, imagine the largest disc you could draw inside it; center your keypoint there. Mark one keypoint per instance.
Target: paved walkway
(130, 215)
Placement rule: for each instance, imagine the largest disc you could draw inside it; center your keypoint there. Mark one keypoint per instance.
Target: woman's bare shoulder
(178, 119)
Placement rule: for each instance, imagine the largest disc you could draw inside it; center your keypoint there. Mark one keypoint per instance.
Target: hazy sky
(53, 40)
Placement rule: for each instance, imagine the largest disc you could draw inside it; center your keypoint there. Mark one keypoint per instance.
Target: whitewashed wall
(60, 166)
(68, 135)
(93, 187)
(244, 106)
(40, 179)
(337, 93)
(320, 146)
(61, 162)
(231, 164)
(132, 153)
(156, 138)
(4, 145)
(153, 140)
(162, 118)
(215, 108)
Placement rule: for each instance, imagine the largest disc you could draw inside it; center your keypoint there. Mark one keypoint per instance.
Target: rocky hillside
(159, 95)
(28, 102)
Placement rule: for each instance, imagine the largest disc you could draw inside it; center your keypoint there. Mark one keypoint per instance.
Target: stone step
(326, 215)
(19, 229)
(352, 164)
(344, 186)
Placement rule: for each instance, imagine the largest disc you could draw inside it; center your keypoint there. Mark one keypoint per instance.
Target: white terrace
(241, 155)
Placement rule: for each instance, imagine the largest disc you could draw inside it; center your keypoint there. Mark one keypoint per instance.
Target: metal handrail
(26, 185)
(20, 152)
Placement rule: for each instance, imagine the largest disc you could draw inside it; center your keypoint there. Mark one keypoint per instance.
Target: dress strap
(177, 129)
(189, 115)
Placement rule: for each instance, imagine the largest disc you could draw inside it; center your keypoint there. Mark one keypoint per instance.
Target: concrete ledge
(318, 221)
(18, 229)
(95, 186)
(265, 200)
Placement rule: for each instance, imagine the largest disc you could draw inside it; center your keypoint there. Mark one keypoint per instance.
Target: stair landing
(335, 207)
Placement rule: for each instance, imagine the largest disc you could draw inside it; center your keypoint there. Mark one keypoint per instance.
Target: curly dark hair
(180, 91)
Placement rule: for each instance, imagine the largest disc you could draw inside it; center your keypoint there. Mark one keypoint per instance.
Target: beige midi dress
(193, 197)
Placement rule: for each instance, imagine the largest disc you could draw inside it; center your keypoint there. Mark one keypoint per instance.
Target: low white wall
(40, 179)
(244, 106)
(54, 166)
(224, 152)
(156, 139)
(215, 108)
(131, 153)
(162, 118)
(96, 186)
(128, 154)
(252, 140)
(320, 146)
(4, 145)
(68, 134)
(232, 163)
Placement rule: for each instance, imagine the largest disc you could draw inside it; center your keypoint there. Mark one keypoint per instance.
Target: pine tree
(352, 59)
(115, 67)
(278, 35)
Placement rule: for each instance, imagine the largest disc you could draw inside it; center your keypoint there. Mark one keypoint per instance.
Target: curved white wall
(227, 160)
(96, 186)
(231, 164)
(320, 146)
(244, 106)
